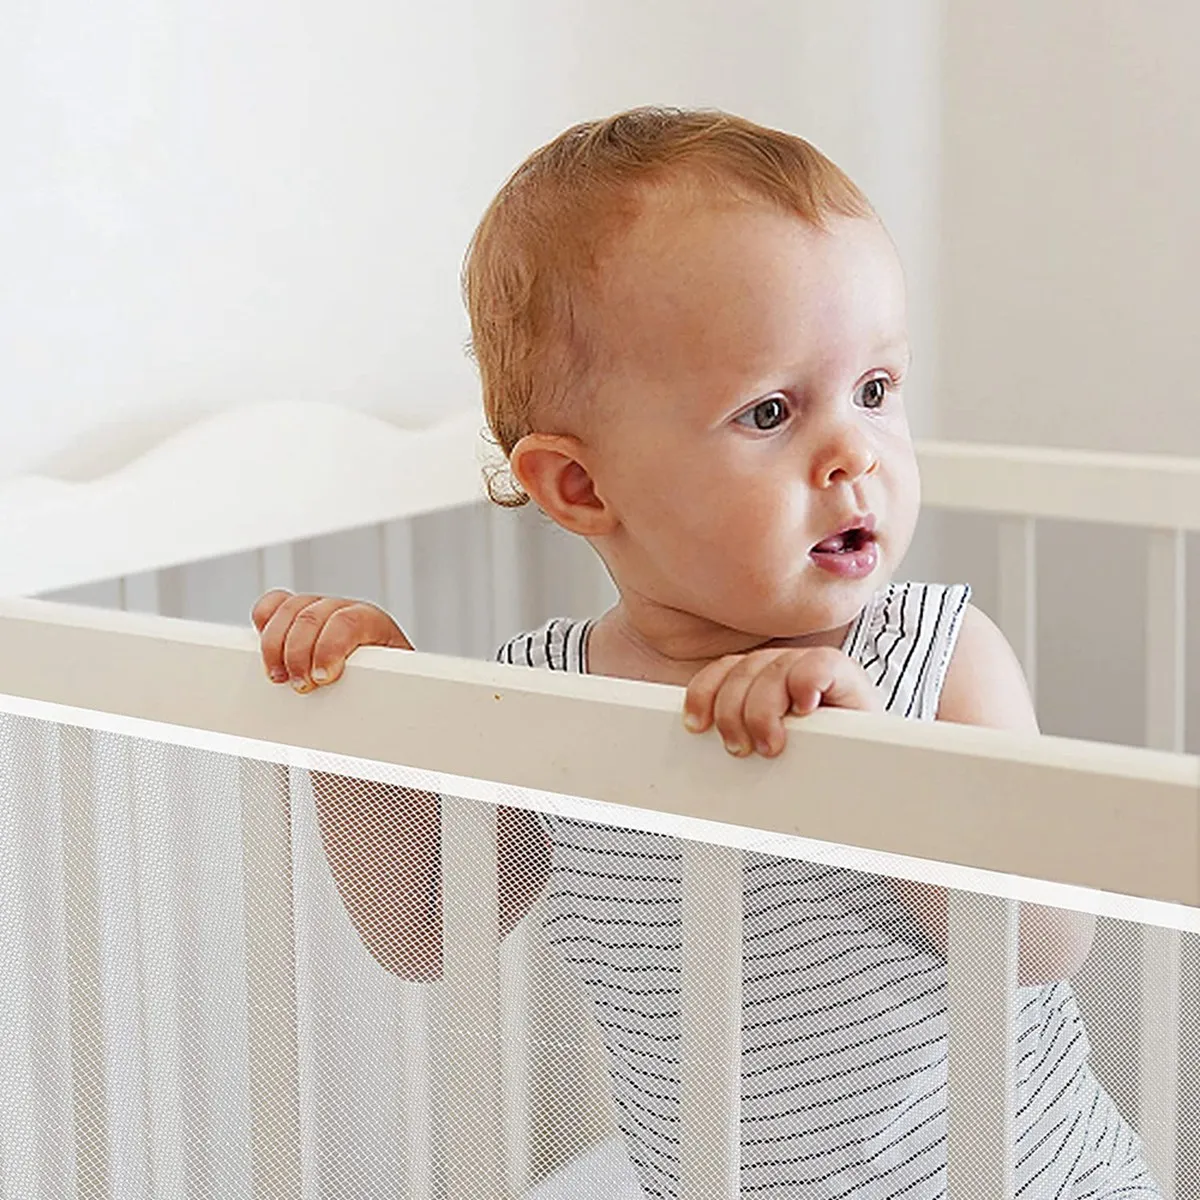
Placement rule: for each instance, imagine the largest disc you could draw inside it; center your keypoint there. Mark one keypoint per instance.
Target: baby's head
(692, 340)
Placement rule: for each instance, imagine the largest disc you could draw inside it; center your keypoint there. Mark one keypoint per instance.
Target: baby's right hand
(307, 639)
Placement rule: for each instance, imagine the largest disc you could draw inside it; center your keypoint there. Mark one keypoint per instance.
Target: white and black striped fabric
(844, 1025)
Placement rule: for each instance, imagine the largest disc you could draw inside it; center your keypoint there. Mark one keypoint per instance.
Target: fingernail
(277, 676)
(763, 748)
(320, 675)
(691, 721)
(300, 685)
(737, 749)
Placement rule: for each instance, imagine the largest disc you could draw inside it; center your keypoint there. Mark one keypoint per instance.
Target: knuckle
(348, 620)
(265, 607)
(726, 718)
(757, 724)
(803, 667)
(294, 653)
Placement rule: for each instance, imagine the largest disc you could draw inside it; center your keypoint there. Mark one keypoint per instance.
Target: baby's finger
(729, 707)
(275, 631)
(357, 624)
(266, 605)
(831, 680)
(765, 703)
(702, 691)
(302, 635)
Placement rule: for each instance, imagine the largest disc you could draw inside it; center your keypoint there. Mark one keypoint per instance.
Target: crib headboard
(251, 477)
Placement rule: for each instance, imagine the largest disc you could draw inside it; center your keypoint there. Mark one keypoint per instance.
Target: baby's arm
(985, 686)
(384, 842)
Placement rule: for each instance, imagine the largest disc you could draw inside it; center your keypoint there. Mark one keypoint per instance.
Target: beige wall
(1071, 162)
(1069, 259)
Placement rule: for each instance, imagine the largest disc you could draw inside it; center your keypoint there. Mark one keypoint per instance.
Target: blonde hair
(540, 239)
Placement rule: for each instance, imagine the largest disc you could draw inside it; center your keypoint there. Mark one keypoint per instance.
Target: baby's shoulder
(935, 655)
(905, 638)
(558, 645)
(985, 684)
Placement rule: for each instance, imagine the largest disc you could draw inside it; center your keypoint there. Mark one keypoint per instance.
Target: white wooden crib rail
(1081, 825)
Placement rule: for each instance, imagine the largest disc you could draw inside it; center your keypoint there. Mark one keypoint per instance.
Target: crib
(188, 1011)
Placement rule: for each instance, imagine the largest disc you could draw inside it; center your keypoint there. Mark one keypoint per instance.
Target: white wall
(209, 203)
(1071, 190)
(218, 203)
(1070, 249)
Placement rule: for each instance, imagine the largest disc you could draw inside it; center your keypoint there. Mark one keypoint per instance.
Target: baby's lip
(864, 521)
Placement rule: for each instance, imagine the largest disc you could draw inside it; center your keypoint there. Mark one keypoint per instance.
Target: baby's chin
(818, 620)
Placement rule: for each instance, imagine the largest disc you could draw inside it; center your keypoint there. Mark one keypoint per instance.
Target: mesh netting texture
(222, 978)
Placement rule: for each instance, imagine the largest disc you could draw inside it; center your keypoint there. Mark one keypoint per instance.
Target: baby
(692, 341)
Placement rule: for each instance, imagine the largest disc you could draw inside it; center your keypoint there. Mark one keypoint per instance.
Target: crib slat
(1166, 616)
(137, 594)
(981, 965)
(397, 571)
(1158, 1063)
(277, 567)
(158, 592)
(270, 979)
(156, 848)
(469, 1102)
(140, 593)
(1017, 615)
(84, 975)
(1166, 649)
(711, 1023)
(507, 546)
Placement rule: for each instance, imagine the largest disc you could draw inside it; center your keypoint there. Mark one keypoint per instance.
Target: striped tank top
(844, 1001)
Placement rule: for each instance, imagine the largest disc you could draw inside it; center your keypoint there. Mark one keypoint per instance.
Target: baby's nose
(845, 458)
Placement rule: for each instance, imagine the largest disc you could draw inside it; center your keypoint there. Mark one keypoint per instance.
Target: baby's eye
(769, 413)
(873, 392)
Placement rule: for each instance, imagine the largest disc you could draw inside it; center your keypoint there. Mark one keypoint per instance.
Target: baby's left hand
(748, 695)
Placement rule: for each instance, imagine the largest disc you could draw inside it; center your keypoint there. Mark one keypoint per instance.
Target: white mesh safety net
(221, 976)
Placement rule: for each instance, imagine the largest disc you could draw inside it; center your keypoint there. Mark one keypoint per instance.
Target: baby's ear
(552, 468)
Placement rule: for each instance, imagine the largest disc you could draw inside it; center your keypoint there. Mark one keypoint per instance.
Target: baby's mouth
(849, 541)
(852, 553)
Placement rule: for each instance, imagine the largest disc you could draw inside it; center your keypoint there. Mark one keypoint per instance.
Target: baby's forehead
(730, 276)
(691, 234)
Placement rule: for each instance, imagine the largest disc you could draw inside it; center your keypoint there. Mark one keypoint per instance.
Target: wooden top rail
(1092, 815)
(1143, 490)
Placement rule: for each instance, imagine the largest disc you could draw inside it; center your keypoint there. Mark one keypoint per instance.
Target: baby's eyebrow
(897, 345)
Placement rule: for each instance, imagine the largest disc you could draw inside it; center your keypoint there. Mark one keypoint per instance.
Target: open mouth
(852, 553)
(849, 541)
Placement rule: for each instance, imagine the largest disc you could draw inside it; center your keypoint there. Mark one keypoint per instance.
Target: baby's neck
(664, 647)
